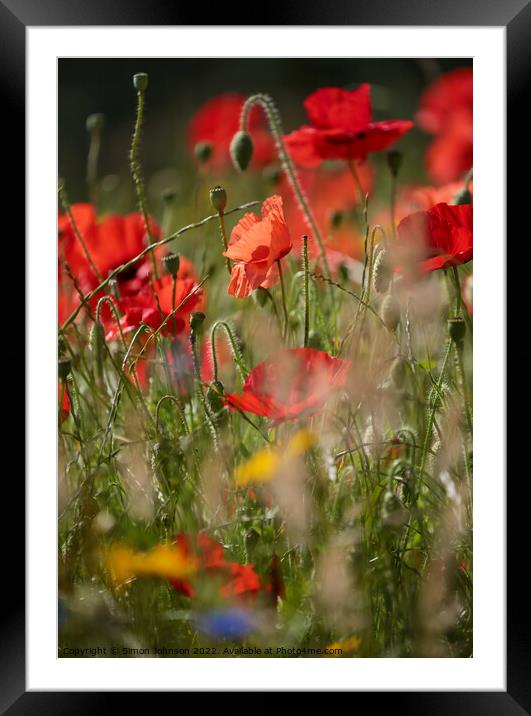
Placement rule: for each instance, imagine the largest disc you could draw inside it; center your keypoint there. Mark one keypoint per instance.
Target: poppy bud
(168, 195)
(241, 150)
(171, 263)
(456, 329)
(382, 272)
(218, 198)
(196, 321)
(260, 296)
(203, 152)
(140, 81)
(315, 341)
(390, 312)
(64, 368)
(95, 122)
(399, 371)
(463, 196)
(214, 395)
(394, 161)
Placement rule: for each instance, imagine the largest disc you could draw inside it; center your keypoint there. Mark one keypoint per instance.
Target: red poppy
(296, 383)
(218, 120)
(110, 242)
(445, 110)
(255, 245)
(65, 402)
(341, 127)
(237, 580)
(155, 302)
(437, 238)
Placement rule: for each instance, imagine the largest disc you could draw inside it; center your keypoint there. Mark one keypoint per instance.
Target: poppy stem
(236, 353)
(275, 125)
(284, 304)
(223, 232)
(306, 290)
(66, 206)
(136, 173)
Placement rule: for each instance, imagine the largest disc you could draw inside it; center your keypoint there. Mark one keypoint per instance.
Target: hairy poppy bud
(214, 394)
(203, 152)
(382, 272)
(463, 196)
(140, 81)
(171, 263)
(260, 295)
(241, 150)
(218, 198)
(456, 329)
(196, 321)
(394, 161)
(390, 312)
(95, 122)
(315, 340)
(64, 368)
(399, 372)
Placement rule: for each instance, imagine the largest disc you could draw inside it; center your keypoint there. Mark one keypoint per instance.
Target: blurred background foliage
(179, 87)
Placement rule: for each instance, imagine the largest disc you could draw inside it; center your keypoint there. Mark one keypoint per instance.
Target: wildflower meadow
(265, 376)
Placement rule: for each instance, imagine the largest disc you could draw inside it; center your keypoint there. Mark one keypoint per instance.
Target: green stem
(223, 233)
(68, 210)
(137, 174)
(284, 304)
(275, 126)
(238, 358)
(306, 290)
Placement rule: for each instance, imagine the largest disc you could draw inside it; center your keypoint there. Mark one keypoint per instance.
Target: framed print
(266, 411)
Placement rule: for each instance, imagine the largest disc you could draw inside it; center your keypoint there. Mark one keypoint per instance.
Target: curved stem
(275, 126)
(238, 358)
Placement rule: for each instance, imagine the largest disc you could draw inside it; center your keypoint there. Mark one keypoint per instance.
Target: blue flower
(226, 623)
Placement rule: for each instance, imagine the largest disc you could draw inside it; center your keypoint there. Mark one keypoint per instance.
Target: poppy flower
(65, 402)
(294, 384)
(155, 302)
(445, 110)
(437, 238)
(218, 120)
(255, 245)
(341, 127)
(110, 242)
(236, 580)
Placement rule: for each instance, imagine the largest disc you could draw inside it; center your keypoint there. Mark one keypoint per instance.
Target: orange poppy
(255, 246)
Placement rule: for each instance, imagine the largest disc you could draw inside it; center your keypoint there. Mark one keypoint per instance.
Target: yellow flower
(265, 464)
(347, 646)
(164, 560)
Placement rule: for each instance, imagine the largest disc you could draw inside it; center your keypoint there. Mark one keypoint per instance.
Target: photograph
(265, 344)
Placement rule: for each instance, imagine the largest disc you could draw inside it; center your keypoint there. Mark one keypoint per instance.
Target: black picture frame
(515, 16)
